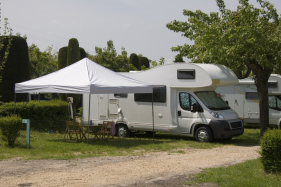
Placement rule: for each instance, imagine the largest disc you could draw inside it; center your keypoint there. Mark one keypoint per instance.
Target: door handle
(179, 113)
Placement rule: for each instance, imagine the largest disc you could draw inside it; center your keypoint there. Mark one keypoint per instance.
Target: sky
(137, 25)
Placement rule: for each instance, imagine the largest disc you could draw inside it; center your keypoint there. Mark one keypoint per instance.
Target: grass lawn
(53, 146)
(247, 174)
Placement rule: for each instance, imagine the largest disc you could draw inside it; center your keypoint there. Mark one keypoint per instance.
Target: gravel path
(154, 169)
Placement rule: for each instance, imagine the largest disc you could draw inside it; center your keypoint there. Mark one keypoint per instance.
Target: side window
(186, 100)
(252, 95)
(120, 95)
(159, 95)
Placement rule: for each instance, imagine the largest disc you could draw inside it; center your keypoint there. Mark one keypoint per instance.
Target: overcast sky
(137, 25)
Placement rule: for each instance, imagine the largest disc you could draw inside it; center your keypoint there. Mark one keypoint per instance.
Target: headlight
(216, 115)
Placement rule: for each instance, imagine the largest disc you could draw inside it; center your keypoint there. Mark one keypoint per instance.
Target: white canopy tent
(84, 77)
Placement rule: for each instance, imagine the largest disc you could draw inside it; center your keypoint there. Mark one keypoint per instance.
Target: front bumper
(226, 129)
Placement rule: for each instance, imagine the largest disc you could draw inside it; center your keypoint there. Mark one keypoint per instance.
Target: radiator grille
(236, 125)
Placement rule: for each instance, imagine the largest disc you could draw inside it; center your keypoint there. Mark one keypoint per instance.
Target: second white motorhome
(184, 100)
(243, 98)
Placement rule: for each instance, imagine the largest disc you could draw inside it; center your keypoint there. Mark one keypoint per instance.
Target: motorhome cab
(243, 98)
(184, 103)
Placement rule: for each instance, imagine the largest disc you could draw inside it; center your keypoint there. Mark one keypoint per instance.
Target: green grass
(247, 174)
(53, 146)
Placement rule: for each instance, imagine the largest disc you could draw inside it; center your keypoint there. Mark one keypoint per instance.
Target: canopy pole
(15, 103)
(89, 117)
(152, 116)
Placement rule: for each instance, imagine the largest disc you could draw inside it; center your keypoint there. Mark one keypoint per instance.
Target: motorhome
(243, 98)
(184, 102)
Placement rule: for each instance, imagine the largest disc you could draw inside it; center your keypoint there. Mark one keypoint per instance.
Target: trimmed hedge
(16, 68)
(44, 115)
(134, 60)
(143, 61)
(10, 129)
(271, 151)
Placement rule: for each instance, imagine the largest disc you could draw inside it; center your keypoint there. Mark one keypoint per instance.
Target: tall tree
(134, 60)
(246, 38)
(42, 63)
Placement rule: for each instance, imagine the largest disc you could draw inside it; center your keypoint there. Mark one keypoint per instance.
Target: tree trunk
(261, 80)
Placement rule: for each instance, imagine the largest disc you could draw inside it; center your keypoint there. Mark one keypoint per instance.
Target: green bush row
(271, 151)
(10, 129)
(43, 115)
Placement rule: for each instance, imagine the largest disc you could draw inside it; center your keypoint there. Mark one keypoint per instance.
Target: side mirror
(194, 107)
(227, 102)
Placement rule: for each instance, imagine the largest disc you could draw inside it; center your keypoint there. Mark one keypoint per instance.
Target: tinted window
(186, 74)
(121, 95)
(186, 100)
(252, 95)
(159, 95)
(272, 84)
(274, 102)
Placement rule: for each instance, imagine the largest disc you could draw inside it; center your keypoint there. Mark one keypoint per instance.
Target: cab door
(185, 116)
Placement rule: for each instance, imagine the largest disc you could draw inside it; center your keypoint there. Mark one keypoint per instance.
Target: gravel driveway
(153, 169)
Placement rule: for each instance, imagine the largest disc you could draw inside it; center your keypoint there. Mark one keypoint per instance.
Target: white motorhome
(184, 102)
(243, 98)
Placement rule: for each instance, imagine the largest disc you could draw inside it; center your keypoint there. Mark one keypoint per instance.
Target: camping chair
(106, 131)
(72, 128)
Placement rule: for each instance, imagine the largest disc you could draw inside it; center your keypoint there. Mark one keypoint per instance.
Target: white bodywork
(138, 115)
(248, 108)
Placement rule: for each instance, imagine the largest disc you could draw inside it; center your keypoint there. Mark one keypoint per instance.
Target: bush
(43, 115)
(271, 150)
(134, 60)
(10, 127)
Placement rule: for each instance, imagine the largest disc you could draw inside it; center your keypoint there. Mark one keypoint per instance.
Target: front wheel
(122, 131)
(204, 134)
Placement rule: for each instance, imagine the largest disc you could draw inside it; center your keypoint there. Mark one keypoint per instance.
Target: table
(94, 129)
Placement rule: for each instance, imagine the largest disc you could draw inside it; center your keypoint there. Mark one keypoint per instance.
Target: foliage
(42, 63)
(241, 39)
(73, 52)
(134, 60)
(178, 58)
(10, 129)
(62, 57)
(82, 53)
(246, 174)
(271, 151)
(155, 63)
(143, 62)
(108, 58)
(43, 115)
(16, 68)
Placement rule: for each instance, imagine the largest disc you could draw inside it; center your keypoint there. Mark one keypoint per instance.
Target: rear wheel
(204, 134)
(122, 131)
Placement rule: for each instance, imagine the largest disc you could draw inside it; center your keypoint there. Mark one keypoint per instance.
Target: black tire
(204, 134)
(150, 133)
(122, 131)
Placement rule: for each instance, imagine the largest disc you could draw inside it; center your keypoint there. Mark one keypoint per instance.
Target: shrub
(43, 115)
(134, 60)
(271, 150)
(10, 129)
(143, 61)
(16, 68)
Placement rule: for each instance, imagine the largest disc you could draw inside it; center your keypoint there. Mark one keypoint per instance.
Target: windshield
(212, 100)
(274, 102)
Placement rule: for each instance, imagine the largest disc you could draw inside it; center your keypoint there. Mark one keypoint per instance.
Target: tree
(155, 63)
(42, 63)
(144, 62)
(6, 34)
(108, 58)
(134, 60)
(16, 69)
(178, 58)
(246, 38)
(73, 53)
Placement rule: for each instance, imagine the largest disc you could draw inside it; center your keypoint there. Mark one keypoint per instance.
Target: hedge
(43, 115)
(271, 151)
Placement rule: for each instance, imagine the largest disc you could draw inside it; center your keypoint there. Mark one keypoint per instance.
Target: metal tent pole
(152, 116)
(89, 117)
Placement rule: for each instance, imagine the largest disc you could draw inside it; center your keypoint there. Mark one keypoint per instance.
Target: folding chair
(72, 128)
(106, 130)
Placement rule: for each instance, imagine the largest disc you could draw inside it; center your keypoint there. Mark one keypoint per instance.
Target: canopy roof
(83, 77)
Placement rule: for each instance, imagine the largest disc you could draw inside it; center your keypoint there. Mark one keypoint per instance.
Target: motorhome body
(184, 103)
(243, 98)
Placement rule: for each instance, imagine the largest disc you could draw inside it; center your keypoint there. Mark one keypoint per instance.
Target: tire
(204, 134)
(150, 133)
(122, 131)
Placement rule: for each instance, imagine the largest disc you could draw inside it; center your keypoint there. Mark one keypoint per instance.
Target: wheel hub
(202, 135)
